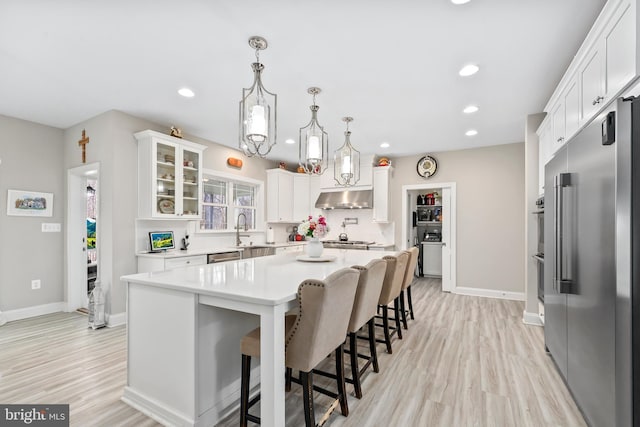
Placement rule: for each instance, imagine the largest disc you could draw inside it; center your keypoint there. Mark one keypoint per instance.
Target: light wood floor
(465, 361)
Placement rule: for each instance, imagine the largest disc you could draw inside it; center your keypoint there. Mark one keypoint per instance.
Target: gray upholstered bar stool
(409, 277)
(391, 287)
(318, 329)
(364, 312)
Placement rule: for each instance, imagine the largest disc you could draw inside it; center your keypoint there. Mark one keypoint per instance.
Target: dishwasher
(223, 256)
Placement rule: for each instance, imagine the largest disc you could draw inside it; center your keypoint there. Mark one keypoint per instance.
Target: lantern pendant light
(258, 110)
(346, 161)
(313, 155)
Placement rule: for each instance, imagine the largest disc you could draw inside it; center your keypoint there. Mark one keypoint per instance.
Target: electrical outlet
(35, 284)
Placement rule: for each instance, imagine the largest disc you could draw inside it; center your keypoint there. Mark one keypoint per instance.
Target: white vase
(314, 248)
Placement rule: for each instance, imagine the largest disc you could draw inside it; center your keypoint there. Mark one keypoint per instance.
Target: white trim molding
(117, 319)
(489, 293)
(532, 319)
(36, 310)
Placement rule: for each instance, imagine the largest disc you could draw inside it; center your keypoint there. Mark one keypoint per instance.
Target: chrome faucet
(246, 228)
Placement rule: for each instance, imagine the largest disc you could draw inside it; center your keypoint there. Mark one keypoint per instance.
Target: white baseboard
(36, 310)
(153, 409)
(489, 293)
(531, 319)
(117, 319)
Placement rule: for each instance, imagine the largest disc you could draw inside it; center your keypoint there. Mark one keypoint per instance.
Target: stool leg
(306, 380)
(410, 303)
(385, 326)
(342, 388)
(396, 312)
(355, 370)
(402, 310)
(244, 389)
(372, 345)
(287, 380)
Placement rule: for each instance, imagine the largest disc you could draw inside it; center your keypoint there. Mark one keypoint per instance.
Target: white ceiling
(392, 65)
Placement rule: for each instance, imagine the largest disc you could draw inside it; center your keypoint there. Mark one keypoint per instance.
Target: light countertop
(268, 280)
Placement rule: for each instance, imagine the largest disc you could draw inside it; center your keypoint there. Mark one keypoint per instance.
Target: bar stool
(409, 277)
(391, 287)
(364, 312)
(318, 329)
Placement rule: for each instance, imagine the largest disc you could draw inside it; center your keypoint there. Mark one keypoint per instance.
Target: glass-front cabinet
(169, 176)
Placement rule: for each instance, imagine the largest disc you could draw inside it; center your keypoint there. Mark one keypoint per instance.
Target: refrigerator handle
(561, 283)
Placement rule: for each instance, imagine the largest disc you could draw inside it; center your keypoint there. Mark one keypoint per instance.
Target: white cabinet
(314, 193)
(147, 264)
(612, 61)
(279, 196)
(565, 117)
(571, 109)
(558, 120)
(607, 61)
(620, 40)
(381, 177)
(169, 176)
(591, 83)
(545, 145)
(301, 199)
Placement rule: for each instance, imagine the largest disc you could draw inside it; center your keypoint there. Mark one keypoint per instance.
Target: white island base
(172, 333)
(184, 328)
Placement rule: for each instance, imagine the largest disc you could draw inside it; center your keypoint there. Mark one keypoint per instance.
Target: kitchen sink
(254, 251)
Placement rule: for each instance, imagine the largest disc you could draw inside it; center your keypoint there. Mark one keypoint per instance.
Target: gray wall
(490, 211)
(114, 146)
(31, 156)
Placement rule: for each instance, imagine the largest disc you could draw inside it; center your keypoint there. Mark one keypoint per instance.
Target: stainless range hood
(351, 199)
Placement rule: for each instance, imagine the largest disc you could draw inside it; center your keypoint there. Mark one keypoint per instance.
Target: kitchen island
(184, 328)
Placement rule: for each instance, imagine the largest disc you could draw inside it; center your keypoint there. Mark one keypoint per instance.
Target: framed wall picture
(29, 203)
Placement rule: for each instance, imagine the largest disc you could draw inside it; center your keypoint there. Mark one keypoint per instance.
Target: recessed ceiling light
(290, 141)
(471, 132)
(468, 70)
(384, 145)
(186, 92)
(460, 1)
(470, 109)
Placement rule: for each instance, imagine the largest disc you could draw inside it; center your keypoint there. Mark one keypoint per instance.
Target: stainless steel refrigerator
(592, 245)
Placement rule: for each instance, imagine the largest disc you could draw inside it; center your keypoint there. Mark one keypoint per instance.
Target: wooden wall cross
(83, 142)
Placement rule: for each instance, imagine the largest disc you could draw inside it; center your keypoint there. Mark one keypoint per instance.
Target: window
(227, 200)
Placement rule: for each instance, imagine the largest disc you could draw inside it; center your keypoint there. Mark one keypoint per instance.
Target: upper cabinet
(381, 178)
(591, 83)
(280, 198)
(301, 197)
(169, 176)
(605, 64)
(545, 144)
(620, 43)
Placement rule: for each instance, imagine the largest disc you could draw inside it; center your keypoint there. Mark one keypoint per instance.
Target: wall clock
(427, 166)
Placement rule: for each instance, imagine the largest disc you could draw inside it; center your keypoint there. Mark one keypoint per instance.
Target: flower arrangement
(314, 227)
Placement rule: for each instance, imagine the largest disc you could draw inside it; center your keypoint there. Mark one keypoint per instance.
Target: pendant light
(346, 161)
(257, 110)
(313, 155)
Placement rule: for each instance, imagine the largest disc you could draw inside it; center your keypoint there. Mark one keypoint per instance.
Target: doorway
(83, 234)
(447, 227)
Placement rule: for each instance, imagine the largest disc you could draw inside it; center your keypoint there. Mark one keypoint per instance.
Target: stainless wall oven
(539, 256)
